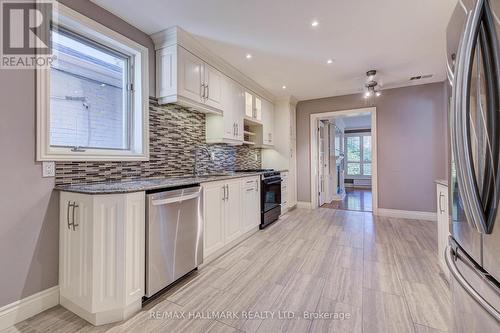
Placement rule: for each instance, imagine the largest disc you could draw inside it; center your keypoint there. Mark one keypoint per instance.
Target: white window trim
(361, 163)
(139, 150)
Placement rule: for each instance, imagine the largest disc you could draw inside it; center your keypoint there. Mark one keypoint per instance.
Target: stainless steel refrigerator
(473, 255)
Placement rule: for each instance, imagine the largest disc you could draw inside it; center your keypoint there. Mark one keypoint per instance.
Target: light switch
(48, 169)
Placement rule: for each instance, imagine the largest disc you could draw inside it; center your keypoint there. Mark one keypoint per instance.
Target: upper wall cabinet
(190, 75)
(253, 108)
(229, 127)
(185, 79)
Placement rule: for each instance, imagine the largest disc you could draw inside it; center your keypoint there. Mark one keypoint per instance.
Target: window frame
(138, 105)
(361, 162)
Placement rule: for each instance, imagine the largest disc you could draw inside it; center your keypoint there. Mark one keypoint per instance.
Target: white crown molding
(407, 214)
(176, 35)
(30, 306)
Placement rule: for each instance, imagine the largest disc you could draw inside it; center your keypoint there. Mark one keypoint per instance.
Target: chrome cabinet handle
(202, 91)
(441, 195)
(227, 195)
(73, 211)
(71, 223)
(67, 214)
(208, 92)
(224, 193)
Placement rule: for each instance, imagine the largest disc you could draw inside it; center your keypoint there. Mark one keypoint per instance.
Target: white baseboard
(407, 214)
(25, 308)
(303, 204)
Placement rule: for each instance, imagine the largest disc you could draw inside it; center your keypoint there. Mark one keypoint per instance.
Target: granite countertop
(147, 184)
(442, 182)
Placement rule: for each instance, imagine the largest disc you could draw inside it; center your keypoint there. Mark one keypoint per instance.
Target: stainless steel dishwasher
(174, 236)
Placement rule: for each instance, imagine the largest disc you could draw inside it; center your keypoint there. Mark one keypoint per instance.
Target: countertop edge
(174, 182)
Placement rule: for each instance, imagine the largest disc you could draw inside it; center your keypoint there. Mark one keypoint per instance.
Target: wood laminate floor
(357, 199)
(370, 274)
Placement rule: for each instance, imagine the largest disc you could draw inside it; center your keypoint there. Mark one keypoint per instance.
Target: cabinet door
(250, 204)
(443, 225)
(75, 248)
(190, 76)
(214, 80)
(214, 204)
(239, 110)
(232, 216)
(257, 105)
(249, 111)
(228, 109)
(267, 122)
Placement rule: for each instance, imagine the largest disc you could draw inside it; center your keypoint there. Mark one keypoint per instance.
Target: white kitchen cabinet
(214, 209)
(232, 212)
(227, 213)
(267, 123)
(250, 188)
(284, 192)
(443, 224)
(185, 79)
(190, 75)
(282, 156)
(214, 83)
(228, 128)
(101, 255)
(253, 107)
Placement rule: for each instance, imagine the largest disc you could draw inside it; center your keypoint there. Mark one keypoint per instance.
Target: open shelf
(249, 133)
(253, 121)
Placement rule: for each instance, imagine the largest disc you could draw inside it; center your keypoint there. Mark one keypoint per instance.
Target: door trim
(313, 148)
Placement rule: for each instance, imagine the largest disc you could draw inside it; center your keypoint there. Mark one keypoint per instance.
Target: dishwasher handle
(175, 199)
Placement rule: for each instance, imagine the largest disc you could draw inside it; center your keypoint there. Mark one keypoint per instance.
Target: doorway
(343, 160)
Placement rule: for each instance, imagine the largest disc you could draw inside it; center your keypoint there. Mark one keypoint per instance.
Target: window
(359, 155)
(96, 107)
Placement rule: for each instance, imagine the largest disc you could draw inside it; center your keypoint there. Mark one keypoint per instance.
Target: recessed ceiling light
(284, 87)
(314, 23)
(249, 56)
(329, 61)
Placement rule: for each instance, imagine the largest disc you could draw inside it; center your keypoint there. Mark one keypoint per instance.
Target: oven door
(271, 194)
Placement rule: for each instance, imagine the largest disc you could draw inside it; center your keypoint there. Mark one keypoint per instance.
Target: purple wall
(412, 143)
(29, 237)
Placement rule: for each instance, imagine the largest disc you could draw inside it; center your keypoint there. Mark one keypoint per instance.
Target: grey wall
(411, 142)
(28, 209)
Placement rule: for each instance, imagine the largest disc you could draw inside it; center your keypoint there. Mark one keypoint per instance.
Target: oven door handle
(273, 182)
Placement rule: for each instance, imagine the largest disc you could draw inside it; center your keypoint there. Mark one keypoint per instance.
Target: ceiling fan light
(378, 93)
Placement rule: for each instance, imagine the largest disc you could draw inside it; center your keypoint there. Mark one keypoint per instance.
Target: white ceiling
(399, 38)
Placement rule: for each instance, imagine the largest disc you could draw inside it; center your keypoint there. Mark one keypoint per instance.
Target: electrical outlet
(48, 169)
(212, 156)
(255, 157)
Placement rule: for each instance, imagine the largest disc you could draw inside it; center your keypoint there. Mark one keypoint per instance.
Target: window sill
(93, 158)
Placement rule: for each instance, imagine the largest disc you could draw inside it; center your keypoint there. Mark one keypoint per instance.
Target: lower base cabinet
(443, 225)
(102, 255)
(229, 212)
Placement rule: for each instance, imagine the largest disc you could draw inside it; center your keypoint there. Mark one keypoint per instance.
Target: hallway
(356, 199)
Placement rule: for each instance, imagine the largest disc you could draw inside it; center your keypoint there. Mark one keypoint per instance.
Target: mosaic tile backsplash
(175, 136)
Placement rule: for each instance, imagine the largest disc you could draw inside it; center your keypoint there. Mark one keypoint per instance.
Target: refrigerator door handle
(492, 74)
(459, 122)
(451, 256)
